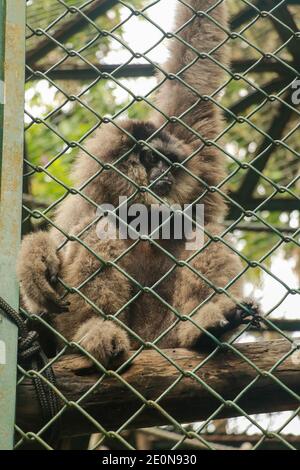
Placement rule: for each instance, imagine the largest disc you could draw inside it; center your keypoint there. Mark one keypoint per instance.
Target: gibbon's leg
(220, 314)
(104, 339)
(102, 291)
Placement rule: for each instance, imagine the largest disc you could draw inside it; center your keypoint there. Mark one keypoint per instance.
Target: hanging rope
(31, 357)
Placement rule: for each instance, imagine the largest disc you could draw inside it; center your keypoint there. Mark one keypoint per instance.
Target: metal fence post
(12, 57)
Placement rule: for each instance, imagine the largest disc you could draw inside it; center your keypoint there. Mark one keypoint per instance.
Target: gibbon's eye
(148, 158)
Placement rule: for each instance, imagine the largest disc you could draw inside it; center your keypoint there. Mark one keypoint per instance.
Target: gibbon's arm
(174, 98)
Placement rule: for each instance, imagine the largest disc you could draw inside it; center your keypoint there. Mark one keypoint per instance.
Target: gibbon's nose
(162, 186)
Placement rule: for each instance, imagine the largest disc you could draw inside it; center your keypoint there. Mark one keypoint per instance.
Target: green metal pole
(2, 39)
(12, 58)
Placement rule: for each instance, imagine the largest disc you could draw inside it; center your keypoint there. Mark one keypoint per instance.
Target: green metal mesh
(66, 73)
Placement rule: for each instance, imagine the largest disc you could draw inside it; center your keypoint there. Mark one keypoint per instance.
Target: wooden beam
(112, 402)
(159, 437)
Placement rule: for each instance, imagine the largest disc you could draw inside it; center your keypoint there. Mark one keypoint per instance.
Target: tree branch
(265, 151)
(112, 402)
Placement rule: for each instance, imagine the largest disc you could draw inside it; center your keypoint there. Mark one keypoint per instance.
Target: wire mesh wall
(90, 64)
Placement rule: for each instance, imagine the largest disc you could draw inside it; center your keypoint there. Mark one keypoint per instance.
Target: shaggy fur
(108, 289)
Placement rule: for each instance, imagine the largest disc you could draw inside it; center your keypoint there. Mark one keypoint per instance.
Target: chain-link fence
(88, 65)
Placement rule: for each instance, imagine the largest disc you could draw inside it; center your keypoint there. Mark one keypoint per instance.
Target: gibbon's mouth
(162, 186)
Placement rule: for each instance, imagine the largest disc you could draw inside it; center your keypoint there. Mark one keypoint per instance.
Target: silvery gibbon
(121, 291)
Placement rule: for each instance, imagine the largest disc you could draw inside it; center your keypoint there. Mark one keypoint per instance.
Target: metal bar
(84, 72)
(285, 324)
(273, 205)
(73, 26)
(264, 65)
(10, 204)
(254, 227)
(2, 16)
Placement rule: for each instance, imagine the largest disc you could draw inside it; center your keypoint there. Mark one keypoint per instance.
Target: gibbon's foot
(233, 319)
(103, 340)
(238, 316)
(242, 316)
(38, 268)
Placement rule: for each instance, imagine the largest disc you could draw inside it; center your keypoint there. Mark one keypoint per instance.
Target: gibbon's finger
(56, 306)
(242, 316)
(53, 302)
(37, 289)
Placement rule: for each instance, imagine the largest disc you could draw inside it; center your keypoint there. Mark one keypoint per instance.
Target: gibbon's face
(150, 165)
(153, 165)
(159, 169)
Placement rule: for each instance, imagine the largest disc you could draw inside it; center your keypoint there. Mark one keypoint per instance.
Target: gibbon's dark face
(158, 157)
(158, 170)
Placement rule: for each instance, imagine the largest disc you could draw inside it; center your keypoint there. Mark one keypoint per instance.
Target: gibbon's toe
(104, 341)
(248, 313)
(117, 347)
(224, 323)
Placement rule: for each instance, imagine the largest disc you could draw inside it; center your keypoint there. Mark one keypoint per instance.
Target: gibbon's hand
(38, 267)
